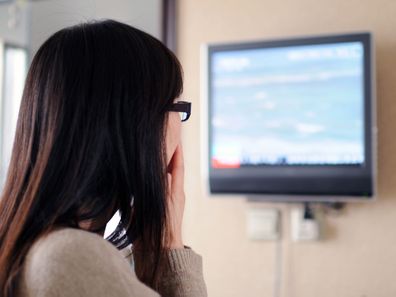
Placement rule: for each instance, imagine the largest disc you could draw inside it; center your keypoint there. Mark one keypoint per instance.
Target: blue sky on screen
(291, 105)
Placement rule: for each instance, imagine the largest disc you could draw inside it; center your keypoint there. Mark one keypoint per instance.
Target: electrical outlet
(304, 229)
(263, 224)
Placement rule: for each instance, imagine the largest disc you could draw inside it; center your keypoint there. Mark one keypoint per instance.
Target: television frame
(281, 183)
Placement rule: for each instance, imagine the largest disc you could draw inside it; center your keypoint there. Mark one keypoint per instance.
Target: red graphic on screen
(221, 164)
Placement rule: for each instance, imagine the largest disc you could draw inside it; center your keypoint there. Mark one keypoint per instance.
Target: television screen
(292, 117)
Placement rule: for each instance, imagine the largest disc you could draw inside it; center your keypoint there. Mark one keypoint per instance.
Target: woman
(98, 131)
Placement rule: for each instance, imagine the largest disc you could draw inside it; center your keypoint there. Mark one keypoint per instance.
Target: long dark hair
(90, 141)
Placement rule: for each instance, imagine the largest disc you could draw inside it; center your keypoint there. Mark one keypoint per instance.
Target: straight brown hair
(90, 141)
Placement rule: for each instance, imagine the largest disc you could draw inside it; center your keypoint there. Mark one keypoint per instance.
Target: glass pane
(15, 70)
(183, 115)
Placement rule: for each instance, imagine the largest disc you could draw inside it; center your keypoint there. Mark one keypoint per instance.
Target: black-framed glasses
(183, 108)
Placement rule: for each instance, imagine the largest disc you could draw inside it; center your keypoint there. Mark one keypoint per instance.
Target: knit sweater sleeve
(182, 274)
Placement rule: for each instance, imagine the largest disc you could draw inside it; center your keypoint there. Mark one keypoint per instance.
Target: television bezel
(280, 183)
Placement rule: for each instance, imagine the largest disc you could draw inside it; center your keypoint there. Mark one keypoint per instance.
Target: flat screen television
(292, 119)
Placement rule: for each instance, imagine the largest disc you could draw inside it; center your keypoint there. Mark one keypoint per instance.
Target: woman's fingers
(176, 199)
(177, 171)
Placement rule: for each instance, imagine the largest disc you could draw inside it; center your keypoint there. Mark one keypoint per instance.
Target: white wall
(50, 16)
(357, 256)
(14, 23)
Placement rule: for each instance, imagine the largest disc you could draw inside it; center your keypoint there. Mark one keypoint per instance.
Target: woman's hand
(175, 199)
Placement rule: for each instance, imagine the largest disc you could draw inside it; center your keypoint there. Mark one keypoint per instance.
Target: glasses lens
(183, 115)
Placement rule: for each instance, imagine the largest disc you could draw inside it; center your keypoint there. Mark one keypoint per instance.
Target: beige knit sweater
(73, 263)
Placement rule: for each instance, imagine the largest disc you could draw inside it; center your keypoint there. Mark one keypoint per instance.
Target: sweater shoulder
(72, 249)
(72, 262)
(68, 242)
